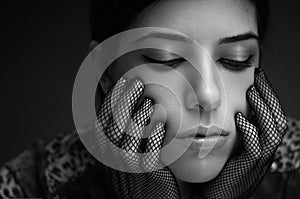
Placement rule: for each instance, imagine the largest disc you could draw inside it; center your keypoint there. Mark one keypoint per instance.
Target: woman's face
(225, 29)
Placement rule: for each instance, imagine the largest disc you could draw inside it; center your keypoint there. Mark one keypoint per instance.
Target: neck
(187, 189)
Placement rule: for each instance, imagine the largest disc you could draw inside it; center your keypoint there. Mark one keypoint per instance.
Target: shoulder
(72, 172)
(18, 176)
(287, 156)
(283, 180)
(64, 168)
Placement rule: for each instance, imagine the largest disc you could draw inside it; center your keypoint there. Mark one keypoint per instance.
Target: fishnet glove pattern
(124, 125)
(242, 174)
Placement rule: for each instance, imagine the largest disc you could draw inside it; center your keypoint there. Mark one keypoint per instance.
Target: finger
(268, 94)
(110, 101)
(236, 174)
(154, 143)
(105, 112)
(242, 172)
(249, 136)
(122, 111)
(134, 131)
(269, 138)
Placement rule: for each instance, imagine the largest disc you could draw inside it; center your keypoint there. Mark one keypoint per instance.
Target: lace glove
(261, 137)
(124, 126)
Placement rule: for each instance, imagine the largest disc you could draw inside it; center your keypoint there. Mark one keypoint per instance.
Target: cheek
(165, 89)
(236, 86)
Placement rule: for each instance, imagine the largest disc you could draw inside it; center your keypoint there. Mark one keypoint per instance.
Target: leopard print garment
(287, 156)
(65, 158)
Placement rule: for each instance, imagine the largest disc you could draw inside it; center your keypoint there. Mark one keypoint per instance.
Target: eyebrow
(169, 36)
(240, 37)
(182, 38)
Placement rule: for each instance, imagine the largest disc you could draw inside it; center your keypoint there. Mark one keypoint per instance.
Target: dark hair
(109, 17)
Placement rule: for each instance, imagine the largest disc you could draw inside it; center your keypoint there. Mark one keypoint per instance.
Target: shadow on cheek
(238, 145)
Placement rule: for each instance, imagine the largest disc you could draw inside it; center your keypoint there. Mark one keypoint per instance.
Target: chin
(190, 168)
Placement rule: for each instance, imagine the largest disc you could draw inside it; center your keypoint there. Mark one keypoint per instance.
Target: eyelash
(229, 64)
(236, 65)
(172, 62)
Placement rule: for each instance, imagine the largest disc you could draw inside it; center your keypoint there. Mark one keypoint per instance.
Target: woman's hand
(241, 175)
(124, 127)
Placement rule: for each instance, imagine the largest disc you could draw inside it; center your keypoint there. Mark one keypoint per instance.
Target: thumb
(249, 135)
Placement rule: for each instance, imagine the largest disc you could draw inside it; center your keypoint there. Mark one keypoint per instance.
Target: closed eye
(236, 65)
(170, 62)
(230, 64)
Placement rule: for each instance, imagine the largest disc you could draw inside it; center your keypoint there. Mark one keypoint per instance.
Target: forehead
(203, 20)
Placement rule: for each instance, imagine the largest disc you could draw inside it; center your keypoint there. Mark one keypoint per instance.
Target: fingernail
(144, 113)
(251, 90)
(258, 71)
(251, 95)
(147, 108)
(121, 80)
(160, 130)
(119, 84)
(148, 121)
(135, 87)
(150, 104)
(238, 116)
(149, 101)
(137, 83)
(159, 126)
(261, 78)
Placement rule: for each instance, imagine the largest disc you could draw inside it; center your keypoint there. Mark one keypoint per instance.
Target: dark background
(44, 42)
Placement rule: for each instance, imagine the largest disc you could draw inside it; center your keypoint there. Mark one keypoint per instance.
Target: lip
(204, 138)
(212, 142)
(203, 132)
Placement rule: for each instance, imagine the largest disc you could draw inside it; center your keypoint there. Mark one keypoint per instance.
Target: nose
(204, 93)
